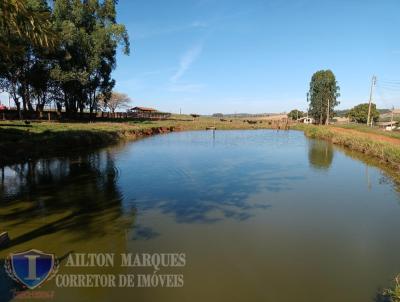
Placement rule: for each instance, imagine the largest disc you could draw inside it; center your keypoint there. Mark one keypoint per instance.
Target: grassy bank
(366, 129)
(377, 145)
(20, 141)
(392, 294)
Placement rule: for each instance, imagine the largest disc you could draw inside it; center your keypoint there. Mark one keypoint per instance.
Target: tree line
(60, 51)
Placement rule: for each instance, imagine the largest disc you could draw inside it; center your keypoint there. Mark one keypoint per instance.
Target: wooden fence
(51, 115)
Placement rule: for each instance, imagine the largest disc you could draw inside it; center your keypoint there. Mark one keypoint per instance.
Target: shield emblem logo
(32, 268)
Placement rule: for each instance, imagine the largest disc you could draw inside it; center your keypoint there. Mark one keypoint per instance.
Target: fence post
(49, 116)
(4, 116)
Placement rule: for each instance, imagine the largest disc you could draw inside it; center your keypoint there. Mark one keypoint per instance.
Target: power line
(387, 102)
(389, 84)
(382, 96)
(390, 88)
(389, 80)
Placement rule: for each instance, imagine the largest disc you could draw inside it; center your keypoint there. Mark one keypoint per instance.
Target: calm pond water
(260, 215)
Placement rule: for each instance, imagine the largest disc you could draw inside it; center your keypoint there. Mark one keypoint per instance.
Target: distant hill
(387, 115)
(247, 115)
(343, 113)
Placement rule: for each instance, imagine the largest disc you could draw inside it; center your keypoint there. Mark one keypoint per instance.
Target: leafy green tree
(359, 113)
(87, 54)
(322, 96)
(295, 114)
(63, 53)
(24, 39)
(19, 21)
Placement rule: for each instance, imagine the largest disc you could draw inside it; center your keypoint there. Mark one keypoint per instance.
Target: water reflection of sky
(274, 192)
(201, 179)
(195, 177)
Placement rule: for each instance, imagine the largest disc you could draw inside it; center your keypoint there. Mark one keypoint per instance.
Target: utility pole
(373, 83)
(392, 117)
(327, 117)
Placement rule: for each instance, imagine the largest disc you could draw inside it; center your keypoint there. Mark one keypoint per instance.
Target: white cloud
(144, 32)
(199, 24)
(185, 87)
(187, 60)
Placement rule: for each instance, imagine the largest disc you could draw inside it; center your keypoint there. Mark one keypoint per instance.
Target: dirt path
(374, 136)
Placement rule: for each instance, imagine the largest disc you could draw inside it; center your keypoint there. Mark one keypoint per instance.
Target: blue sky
(211, 56)
(207, 56)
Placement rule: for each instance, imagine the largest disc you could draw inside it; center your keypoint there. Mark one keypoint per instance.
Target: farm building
(388, 126)
(147, 113)
(306, 120)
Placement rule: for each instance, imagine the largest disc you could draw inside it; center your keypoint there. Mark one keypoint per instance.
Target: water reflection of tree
(76, 194)
(389, 175)
(320, 154)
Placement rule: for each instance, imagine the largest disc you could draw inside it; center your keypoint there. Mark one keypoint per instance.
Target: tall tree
(322, 96)
(87, 57)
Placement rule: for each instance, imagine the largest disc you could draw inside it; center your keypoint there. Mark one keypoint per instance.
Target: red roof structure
(143, 109)
(147, 113)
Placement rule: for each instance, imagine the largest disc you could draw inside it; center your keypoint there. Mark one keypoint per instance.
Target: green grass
(186, 122)
(364, 128)
(384, 151)
(393, 294)
(21, 142)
